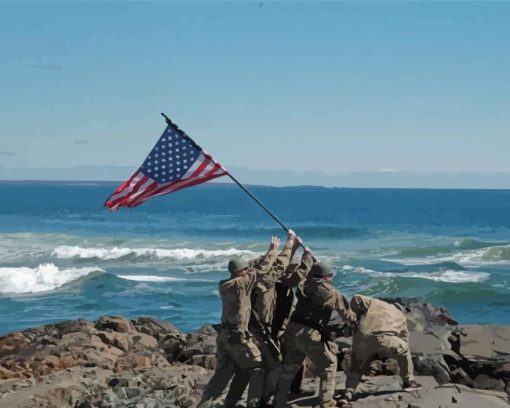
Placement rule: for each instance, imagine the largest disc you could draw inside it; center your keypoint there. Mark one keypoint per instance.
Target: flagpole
(250, 194)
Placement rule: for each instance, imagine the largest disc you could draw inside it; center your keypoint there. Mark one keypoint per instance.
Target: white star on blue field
(171, 158)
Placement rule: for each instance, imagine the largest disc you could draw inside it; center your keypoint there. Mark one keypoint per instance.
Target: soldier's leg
(398, 348)
(272, 369)
(237, 386)
(362, 354)
(293, 359)
(324, 360)
(248, 359)
(296, 382)
(219, 381)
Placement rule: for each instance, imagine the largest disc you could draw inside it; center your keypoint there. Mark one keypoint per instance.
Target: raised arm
(306, 264)
(284, 258)
(301, 272)
(261, 266)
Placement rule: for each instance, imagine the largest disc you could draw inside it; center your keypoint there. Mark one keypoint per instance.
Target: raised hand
(291, 237)
(275, 242)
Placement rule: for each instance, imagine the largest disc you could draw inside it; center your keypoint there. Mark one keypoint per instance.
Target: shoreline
(147, 362)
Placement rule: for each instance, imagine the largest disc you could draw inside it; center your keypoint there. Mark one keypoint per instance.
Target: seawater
(63, 256)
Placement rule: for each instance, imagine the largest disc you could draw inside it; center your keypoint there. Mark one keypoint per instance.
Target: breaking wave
(150, 278)
(447, 276)
(42, 278)
(156, 278)
(68, 252)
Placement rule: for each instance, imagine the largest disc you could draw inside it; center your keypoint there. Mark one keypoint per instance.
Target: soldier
(382, 330)
(263, 307)
(263, 304)
(304, 336)
(236, 348)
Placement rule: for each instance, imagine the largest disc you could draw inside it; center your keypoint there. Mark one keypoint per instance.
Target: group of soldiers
(274, 317)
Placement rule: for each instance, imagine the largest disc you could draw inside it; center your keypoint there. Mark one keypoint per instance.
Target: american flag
(175, 162)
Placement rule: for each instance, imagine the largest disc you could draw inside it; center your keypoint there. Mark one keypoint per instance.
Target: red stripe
(200, 168)
(156, 189)
(120, 189)
(169, 188)
(137, 186)
(139, 200)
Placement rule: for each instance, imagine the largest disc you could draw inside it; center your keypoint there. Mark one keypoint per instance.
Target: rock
(119, 340)
(433, 365)
(173, 345)
(485, 382)
(155, 327)
(201, 342)
(12, 343)
(144, 341)
(204, 360)
(483, 341)
(131, 361)
(115, 323)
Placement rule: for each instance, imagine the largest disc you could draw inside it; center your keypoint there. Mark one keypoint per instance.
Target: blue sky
(337, 87)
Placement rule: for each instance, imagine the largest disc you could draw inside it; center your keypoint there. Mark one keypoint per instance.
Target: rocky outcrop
(146, 362)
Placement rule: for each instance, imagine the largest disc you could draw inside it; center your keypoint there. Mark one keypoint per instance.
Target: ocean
(63, 256)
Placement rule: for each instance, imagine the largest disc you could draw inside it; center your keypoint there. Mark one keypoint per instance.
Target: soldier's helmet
(237, 264)
(321, 270)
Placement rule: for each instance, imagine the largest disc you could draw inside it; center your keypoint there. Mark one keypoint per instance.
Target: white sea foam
(498, 254)
(67, 252)
(43, 278)
(447, 276)
(156, 278)
(150, 278)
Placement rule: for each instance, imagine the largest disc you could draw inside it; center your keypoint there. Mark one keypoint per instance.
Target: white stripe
(142, 188)
(128, 189)
(195, 165)
(207, 169)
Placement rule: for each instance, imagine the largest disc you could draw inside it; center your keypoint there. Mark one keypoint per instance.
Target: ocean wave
(446, 276)
(42, 278)
(466, 252)
(156, 278)
(68, 252)
(150, 278)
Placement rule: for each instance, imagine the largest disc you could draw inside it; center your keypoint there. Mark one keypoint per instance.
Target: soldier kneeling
(381, 330)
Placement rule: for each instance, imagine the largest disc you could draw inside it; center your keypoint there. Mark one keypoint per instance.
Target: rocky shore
(146, 362)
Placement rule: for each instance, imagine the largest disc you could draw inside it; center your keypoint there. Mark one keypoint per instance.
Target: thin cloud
(51, 67)
(81, 142)
(4, 153)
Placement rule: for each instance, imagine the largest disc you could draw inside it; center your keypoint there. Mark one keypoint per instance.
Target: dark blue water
(63, 256)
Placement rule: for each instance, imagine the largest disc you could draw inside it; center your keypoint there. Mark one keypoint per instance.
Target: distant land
(279, 178)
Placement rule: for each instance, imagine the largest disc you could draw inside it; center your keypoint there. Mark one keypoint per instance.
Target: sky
(331, 87)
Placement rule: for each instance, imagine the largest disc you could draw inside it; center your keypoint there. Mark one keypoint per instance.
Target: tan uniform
(263, 302)
(303, 339)
(382, 330)
(236, 348)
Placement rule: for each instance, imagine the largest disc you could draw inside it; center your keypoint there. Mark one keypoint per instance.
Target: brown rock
(155, 327)
(51, 361)
(121, 341)
(115, 323)
(131, 361)
(12, 343)
(145, 341)
(6, 374)
(204, 360)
